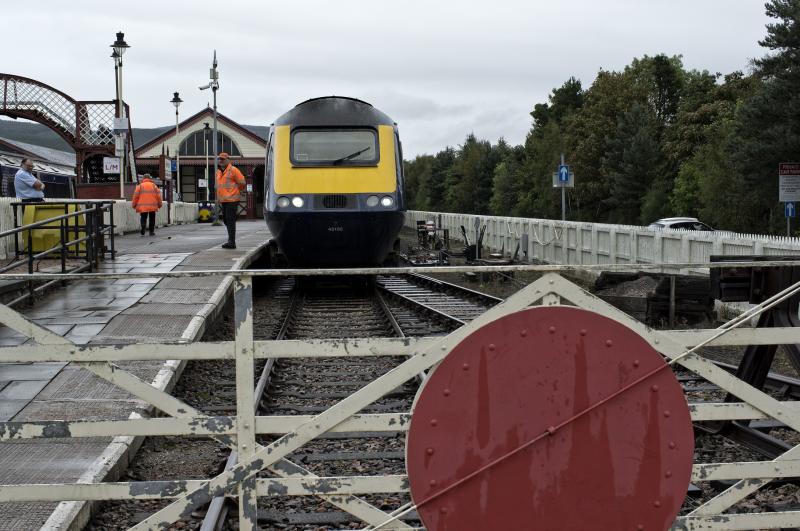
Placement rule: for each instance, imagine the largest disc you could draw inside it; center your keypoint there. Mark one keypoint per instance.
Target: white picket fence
(579, 243)
(125, 219)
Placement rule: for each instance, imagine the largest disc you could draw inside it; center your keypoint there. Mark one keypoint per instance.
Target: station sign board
(111, 165)
(788, 182)
(121, 126)
(558, 181)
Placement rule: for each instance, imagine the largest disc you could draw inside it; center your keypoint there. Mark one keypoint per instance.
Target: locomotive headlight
(372, 201)
(387, 201)
(297, 201)
(283, 202)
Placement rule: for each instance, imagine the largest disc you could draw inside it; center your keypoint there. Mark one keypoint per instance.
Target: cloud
(441, 69)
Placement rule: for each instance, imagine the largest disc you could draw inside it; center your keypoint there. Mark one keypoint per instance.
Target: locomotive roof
(334, 111)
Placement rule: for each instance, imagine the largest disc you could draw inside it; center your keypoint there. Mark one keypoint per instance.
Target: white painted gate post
(245, 405)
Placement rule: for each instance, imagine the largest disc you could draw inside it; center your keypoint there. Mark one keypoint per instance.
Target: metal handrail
(94, 230)
(44, 222)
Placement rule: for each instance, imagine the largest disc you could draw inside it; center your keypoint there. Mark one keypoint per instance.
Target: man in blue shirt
(27, 187)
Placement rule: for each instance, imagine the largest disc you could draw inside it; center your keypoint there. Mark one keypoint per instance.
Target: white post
(205, 138)
(121, 114)
(563, 196)
(177, 154)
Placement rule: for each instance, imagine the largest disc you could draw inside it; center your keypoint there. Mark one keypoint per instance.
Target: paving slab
(134, 328)
(166, 308)
(22, 389)
(179, 296)
(33, 371)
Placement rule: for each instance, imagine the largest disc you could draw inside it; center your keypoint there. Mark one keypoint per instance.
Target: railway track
(397, 306)
(407, 305)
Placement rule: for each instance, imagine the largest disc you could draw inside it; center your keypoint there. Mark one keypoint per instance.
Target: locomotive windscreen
(334, 147)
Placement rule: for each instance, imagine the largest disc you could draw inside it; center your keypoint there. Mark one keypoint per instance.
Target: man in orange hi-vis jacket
(230, 185)
(147, 201)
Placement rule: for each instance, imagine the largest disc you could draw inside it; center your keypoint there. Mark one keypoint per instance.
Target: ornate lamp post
(176, 101)
(120, 47)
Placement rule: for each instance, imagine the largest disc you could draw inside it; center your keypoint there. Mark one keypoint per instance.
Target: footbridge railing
(579, 243)
(87, 126)
(246, 481)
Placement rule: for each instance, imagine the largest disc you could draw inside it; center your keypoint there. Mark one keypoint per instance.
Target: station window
(334, 147)
(194, 145)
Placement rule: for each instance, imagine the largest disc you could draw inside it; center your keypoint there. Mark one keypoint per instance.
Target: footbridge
(87, 126)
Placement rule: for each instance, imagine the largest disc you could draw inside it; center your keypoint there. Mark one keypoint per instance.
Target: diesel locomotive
(334, 184)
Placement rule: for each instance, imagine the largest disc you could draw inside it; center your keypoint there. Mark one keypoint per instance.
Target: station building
(194, 143)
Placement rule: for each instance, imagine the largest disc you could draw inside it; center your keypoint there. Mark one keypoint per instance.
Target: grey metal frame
(422, 354)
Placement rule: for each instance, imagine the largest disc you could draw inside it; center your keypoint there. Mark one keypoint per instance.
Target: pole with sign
(563, 178)
(789, 190)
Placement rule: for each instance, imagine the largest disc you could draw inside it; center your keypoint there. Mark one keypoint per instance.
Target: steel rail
(455, 322)
(491, 299)
(217, 510)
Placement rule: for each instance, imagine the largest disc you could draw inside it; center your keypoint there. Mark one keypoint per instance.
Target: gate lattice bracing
(292, 432)
(87, 126)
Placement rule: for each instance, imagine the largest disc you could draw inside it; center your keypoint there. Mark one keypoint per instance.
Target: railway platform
(109, 311)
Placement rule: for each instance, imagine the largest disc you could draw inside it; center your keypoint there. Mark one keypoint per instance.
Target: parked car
(680, 223)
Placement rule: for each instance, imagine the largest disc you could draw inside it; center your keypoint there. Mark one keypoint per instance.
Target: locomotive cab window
(334, 147)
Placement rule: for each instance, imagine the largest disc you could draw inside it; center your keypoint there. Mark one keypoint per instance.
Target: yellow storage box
(49, 236)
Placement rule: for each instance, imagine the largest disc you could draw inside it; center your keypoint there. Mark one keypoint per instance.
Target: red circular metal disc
(536, 421)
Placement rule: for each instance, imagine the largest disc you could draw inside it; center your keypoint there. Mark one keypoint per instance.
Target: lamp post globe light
(176, 101)
(120, 47)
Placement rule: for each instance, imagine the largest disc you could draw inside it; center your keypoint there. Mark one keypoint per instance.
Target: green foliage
(650, 141)
(634, 163)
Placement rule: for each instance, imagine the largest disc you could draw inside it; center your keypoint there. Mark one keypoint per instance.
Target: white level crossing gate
(293, 432)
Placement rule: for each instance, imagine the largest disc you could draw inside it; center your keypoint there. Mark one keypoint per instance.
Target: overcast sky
(440, 68)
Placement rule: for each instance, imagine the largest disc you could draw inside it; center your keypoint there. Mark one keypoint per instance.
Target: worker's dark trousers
(229, 218)
(143, 217)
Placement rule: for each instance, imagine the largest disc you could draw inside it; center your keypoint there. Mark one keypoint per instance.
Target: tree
(564, 100)
(536, 196)
(783, 37)
(767, 130)
(660, 80)
(635, 162)
(508, 180)
(469, 181)
(585, 141)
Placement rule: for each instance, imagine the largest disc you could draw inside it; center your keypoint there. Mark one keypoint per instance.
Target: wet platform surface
(108, 312)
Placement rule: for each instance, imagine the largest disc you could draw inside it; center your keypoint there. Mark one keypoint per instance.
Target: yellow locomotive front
(334, 183)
